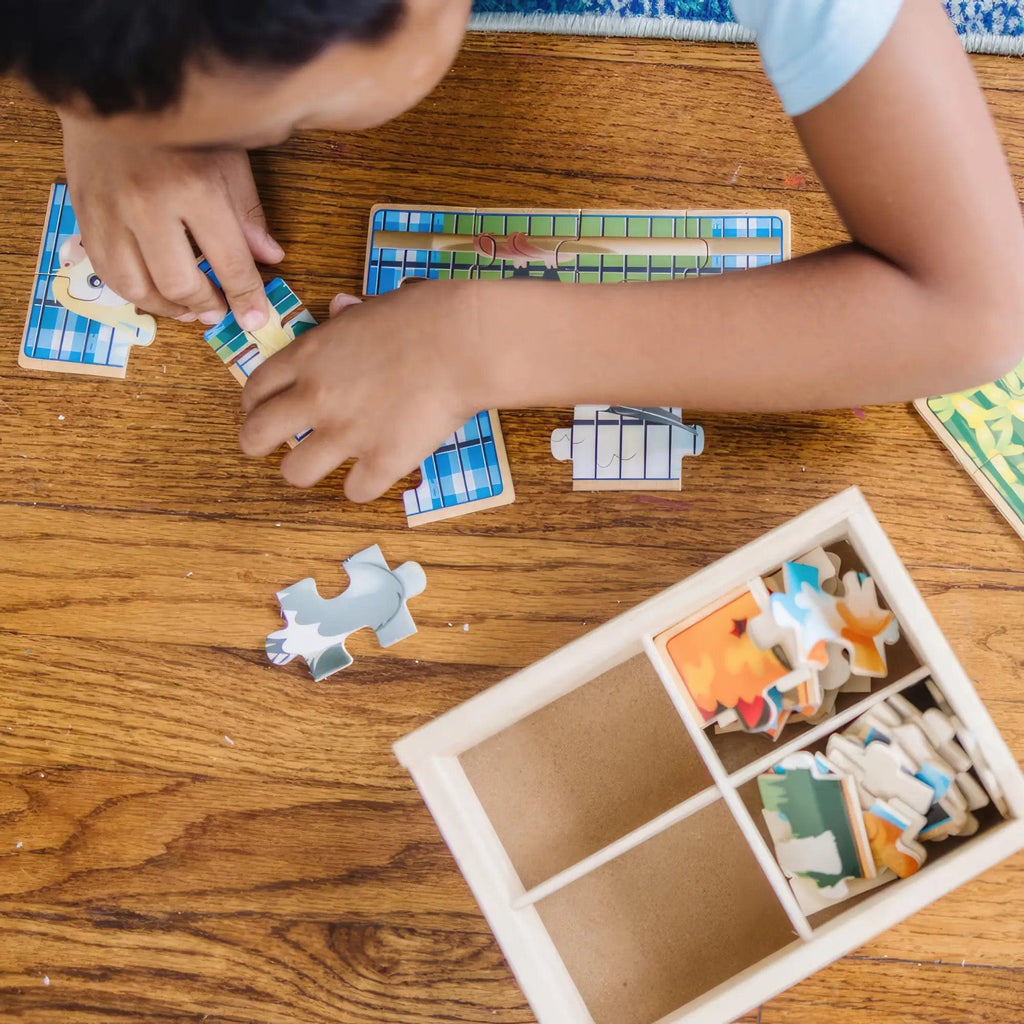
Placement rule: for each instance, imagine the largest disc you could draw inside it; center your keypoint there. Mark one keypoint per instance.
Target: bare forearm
(839, 328)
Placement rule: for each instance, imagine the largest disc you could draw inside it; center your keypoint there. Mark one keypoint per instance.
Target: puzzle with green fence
(588, 246)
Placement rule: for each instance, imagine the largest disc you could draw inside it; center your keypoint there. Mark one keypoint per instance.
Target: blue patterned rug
(985, 26)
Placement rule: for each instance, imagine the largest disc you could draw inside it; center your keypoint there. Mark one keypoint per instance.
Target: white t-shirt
(810, 49)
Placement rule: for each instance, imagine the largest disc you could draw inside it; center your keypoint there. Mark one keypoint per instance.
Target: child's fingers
(270, 379)
(122, 267)
(276, 420)
(374, 474)
(318, 456)
(341, 302)
(263, 247)
(245, 198)
(220, 237)
(168, 256)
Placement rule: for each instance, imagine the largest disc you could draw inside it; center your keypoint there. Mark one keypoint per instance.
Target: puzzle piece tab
(316, 628)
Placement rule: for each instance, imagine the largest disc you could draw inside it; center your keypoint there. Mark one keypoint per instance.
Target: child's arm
(929, 297)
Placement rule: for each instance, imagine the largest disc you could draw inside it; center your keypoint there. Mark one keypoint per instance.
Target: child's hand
(383, 383)
(137, 206)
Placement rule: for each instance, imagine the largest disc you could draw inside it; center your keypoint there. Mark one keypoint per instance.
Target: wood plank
(901, 993)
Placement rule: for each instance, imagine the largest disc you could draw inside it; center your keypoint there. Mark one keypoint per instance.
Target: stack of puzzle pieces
(904, 774)
(783, 648)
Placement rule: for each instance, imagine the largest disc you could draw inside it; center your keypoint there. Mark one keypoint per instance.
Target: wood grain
(189, 835)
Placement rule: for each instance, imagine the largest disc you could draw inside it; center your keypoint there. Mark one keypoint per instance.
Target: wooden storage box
(616, 848)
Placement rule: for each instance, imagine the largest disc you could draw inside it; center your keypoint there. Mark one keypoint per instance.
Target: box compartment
(667, 921)
(585, 770)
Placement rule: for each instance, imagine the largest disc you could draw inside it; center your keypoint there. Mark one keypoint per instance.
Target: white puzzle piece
(317, 628)
(621, 448)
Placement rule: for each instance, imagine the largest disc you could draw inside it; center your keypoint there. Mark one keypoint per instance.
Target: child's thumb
(342, 301)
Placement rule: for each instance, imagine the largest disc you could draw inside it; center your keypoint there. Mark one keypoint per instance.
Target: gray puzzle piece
(316, 628)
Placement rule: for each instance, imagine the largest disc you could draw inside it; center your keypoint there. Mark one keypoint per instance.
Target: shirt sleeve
(810, 49)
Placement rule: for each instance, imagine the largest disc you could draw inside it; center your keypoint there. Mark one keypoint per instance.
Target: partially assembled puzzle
(984, 429)
(610, 447)
(76, 323)
(316, 628)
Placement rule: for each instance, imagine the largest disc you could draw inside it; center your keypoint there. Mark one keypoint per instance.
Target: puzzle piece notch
(316, 628)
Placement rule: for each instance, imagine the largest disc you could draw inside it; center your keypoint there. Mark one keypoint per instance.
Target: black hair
(131, 55)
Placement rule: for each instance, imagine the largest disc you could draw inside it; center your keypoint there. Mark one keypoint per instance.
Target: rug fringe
(610, 25)
(682, 28)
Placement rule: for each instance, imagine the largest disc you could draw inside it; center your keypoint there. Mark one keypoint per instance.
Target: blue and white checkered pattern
(464, 469)
(388, 267)
(55, 334)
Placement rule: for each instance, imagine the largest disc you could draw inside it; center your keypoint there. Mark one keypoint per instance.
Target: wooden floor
(187, 834)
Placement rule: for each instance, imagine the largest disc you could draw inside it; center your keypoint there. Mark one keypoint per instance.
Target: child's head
(231, 72)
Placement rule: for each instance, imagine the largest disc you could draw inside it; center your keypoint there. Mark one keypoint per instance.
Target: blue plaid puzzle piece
(58, 338)
(237, 350)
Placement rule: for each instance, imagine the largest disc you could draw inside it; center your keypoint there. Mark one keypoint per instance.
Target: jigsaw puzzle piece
(527, 242)
(469, 472)
(626, 448)
(807, 610)
(892, 829)
(316, 628)
(864, 626)
(76, 323)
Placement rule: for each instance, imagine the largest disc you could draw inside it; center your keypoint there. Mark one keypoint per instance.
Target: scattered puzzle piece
(76, 323)
(317, 628)
(468, 473)
(626, 449)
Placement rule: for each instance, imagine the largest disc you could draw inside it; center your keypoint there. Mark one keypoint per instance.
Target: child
(161, 101)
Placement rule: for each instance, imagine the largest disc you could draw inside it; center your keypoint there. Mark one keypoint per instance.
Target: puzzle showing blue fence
(464, 469)
(53, 334)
